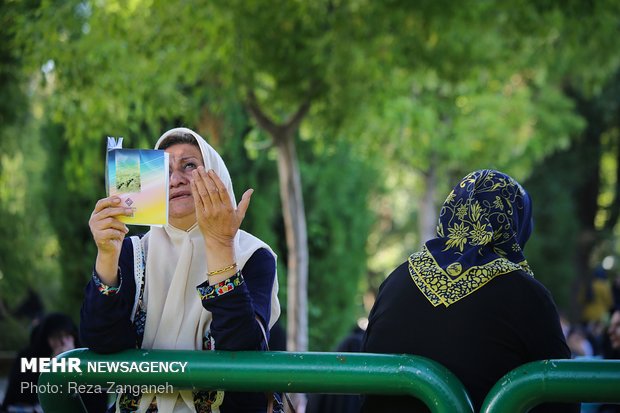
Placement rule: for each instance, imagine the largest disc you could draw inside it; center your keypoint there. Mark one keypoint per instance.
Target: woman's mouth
(180, 195)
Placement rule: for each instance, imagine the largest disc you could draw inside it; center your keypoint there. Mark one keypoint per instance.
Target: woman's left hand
(218, 219)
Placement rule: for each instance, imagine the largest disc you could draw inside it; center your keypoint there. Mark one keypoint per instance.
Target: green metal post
(309, 372)
(555, 381)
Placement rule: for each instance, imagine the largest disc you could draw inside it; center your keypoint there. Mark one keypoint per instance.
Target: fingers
(108, 229)
(220, 187)
(111, 234)
(112, 212)
(211, 188)
(108, 207)
(111, 223)
(104, 223)
(205, 189)
(214, 207)
(106, 203)
(244, 204)
(199, 205)
(107, 218)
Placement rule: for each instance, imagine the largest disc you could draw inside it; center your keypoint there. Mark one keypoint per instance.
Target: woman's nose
(178, 178)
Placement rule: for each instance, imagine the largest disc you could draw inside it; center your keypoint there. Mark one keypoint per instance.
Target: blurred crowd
(597, 334)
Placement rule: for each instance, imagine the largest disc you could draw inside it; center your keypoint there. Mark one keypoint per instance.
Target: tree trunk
(585, 193)
(296, 241)
(283, 136)
(428, 209)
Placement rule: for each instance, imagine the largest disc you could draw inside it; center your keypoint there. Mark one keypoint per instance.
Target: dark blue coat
(106, 326)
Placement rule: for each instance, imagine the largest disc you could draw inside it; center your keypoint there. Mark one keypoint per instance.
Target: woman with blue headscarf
(468, 299)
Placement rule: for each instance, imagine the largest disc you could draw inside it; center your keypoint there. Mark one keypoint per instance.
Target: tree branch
(275, 130)
(293, 123)
(261, 117)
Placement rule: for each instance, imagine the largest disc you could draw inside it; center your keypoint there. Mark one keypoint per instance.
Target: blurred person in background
(611, 351)
(598, 297)
(341, 403)
(613, 332)
(55, 334)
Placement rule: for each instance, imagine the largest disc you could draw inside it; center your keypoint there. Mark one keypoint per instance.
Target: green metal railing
(518, 391)
(595, 381)
(309, 372)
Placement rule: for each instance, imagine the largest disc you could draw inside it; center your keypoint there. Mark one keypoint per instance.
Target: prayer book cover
(140, 178)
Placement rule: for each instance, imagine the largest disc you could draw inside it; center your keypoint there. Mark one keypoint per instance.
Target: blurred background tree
(28, 246)
(350, 118)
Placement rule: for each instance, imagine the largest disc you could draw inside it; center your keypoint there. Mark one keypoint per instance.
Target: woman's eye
(190, 165)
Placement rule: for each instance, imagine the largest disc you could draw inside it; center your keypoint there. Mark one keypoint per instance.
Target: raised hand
(218, 219)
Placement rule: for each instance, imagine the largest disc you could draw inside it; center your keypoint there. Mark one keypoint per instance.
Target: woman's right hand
(108, 233)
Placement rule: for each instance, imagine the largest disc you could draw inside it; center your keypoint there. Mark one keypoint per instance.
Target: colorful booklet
(140, 178)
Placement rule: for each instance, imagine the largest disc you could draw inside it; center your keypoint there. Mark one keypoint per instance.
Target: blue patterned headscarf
(483, 226)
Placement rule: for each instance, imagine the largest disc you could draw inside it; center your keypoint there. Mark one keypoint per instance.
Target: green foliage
(28, 248)
(69, 208)
(480, 86)
(412, 85)
(336, 191)
(337, 187)
(576, 199)
(285, 74)
(550, 250)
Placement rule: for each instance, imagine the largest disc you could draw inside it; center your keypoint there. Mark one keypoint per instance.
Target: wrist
(106, 266)
(108, 276)
(217, 242)
(232, 268)
(218, 278)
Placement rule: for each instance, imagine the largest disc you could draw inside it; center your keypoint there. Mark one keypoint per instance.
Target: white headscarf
(176, 264)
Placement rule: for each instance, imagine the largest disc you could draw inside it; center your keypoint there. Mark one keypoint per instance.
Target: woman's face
(184, 158)
(614, 330)
(61, 342)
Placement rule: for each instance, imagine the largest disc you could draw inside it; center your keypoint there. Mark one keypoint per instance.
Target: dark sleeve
(105, 319)
(235, 311)
(543, 334)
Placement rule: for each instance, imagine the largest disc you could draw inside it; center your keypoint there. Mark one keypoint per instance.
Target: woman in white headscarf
(198, 283)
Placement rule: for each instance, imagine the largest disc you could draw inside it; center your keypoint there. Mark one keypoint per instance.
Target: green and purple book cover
(140, 178)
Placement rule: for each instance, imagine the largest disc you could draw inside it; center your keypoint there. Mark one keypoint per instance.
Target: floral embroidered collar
(483, 226)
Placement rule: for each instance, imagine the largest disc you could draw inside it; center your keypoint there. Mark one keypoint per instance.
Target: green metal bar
(310, 372)
(555, 381)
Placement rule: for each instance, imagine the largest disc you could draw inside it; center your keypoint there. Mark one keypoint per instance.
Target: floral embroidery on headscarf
(483, 226)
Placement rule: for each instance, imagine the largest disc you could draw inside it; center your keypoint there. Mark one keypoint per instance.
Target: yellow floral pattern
(440, 287)
(458, 236)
